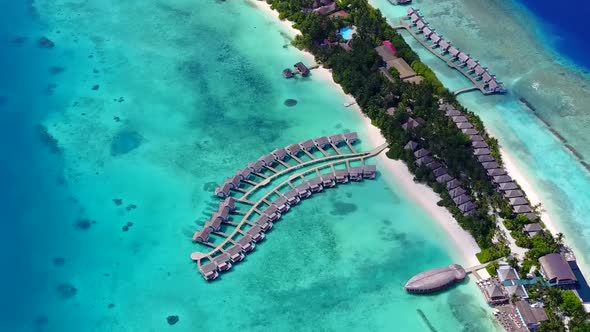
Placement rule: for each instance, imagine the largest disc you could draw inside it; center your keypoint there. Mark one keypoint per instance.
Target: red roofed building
(340, 13)
(390, 47)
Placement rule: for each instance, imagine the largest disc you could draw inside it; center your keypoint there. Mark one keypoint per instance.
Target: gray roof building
(479, 145)
(256, 166)
(464, 125)
(506, 272)
(485, 158)
(245, 242)
(508, 186)
(479, 152)
(459, 118)
(513, 193)
(307, 145)
(293, 149)
(462, 199)
(369, 171)
(457, 192)
(453, 112)
(355, 173)
(518, 201)
(411, 145)
(532, 229)
(496, 172)
(351, 137)
(267, 160)
(556, 270)
(421, 153)
(279, 154)
(467, 207)
(440, 172)
(469, 131)
(444, 178)
(423, 161)
(320, 142)
(490, 164)
(336, 139)
(453, 184)
(244, 173)
(435, 279)
(522, 208)
(502, 179)
(476, 138)
(434, 165)
(529, 315)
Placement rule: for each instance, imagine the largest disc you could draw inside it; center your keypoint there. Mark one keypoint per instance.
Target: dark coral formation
(55, 70)
(342, 208)
(95, 87)
(47, 139)
(66, 290)
(84, 224)
(59, 261)
(45, 42)
(125, 141)
(290, 102)
(173, 319)
(131, 207)
(118, 201)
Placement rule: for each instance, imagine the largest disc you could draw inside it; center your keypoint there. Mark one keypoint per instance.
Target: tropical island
(444, 145)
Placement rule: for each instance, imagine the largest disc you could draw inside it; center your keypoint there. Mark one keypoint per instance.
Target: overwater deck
(479, 76)
(307, 178)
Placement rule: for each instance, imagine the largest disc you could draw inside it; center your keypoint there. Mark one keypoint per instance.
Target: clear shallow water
(157, 102)
(521, 58)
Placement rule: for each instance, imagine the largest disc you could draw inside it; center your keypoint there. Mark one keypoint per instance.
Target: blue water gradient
(566, 26)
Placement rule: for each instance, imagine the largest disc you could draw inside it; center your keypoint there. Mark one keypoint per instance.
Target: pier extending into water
(319, 173)
(479, 76)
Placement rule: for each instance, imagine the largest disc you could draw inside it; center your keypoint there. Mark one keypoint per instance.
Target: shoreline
(398, 174)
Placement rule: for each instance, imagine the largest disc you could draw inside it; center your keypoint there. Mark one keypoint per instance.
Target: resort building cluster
(388, 54)
(309, 167)
(481, 78)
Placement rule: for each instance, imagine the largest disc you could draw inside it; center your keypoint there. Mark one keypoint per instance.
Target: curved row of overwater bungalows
(225, 257)
(467, 65)
(293, 151)
(497, 174)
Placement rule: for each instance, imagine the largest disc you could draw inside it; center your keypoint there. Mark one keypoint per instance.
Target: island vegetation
(357, 70)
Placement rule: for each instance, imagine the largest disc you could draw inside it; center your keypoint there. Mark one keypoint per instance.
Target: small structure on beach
(436, 279)
(302, 69)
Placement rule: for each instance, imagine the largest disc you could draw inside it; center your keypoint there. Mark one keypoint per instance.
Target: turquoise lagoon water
(504, 38)
(146, 106)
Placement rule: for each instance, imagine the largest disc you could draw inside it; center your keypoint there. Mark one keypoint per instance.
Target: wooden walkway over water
(329, 164)
(477, 84)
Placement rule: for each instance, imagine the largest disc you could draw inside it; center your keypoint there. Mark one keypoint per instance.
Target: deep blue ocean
(566, 22)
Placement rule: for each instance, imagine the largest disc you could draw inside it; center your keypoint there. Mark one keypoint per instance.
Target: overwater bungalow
(423, 161)
(244, 174)
(454, 52)
(256, 166)
(410, 11)
(459, 119)
(444, 178)
(222, 262)
(302, 69)
(341, 175)
(476, 138)
(513, 193)
(485, 158)
(235, 253)
(229, 202)
(222, 191)
(463, 57)
(421, 25)
(303, 190)
(321, 142)
(264, 221)
(369, 171)
(292, 197)
(467, 207)
(336, 139)
(479, 145)
(427, 32)
(522, 208)
(281, 204)
(479, 152)
(245, 242)
(214, 223)
(328, 180)
(351, 137)
(256, 233)
(440, 172)
(508, 186)
(307, 145)
(469, 131)
(464, 125)
(223, 213)
(490, 165)
(456, 192)
(502, 179)
(202, 235)
(435, 38)
(293, 149)
(435, 279)
(279, 154)
(411, 145)
(444, 46)
(267, 160)
(471, 64)
(209, 271)
(288, 73)
(486, 77)
(494, 86)
(518, 201)
(355, 173)
(414, 18)
(315, 184)
(421, 153)
(461, 199)
(479, 70)
(496, 172)
(272, 212)
(453, 184)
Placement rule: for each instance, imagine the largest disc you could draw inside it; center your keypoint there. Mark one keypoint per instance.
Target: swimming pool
(346, 33)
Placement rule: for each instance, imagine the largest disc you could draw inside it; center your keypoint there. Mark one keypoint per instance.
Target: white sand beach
(398, 173)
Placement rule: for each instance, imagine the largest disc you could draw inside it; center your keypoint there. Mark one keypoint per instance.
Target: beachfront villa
(557, 271)
(388, 54)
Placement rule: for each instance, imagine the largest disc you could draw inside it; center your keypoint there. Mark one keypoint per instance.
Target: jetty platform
(479, 76)
(248, 219)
